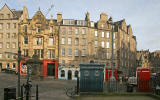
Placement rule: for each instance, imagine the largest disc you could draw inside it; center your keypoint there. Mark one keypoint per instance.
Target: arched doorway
(76, 73)
(69, 74)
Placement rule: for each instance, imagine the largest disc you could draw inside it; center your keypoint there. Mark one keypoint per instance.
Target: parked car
(9, 70)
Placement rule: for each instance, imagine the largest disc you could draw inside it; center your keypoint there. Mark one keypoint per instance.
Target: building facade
(9, 19)
(38, 35)
(85, 40)
(147, 59)
(71, 42)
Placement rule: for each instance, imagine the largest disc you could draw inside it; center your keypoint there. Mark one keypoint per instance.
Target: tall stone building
(85, 40)
(147, 59)
(39, 36)
(9, 19)
(71, 42)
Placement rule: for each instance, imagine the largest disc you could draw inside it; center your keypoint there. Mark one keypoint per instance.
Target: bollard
(77, 85)
(22, 92)
(36, 92)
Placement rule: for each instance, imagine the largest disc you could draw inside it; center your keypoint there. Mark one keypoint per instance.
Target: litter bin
(129, 88)
(9, 93)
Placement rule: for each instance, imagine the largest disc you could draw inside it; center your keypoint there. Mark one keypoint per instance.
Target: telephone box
(143, 79)
(108, 73)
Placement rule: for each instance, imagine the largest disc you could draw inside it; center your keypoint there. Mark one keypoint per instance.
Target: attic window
(38, 29)
(102, 25)
(9, 16)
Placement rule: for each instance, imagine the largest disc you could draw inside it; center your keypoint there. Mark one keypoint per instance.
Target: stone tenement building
(9, 19)
(74, 41)
(71, 42)
(147, 59)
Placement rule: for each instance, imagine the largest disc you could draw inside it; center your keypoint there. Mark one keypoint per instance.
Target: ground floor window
(7, 65)
(62, 73)
(13, 65)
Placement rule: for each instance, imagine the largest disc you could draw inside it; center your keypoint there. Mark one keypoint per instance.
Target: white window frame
(95, 43)
(83, 52)
(102, 34)
(83, 31)
(83, 41)
(51, 41)
(63, 52)
(77, 31)
(76, 52)
(76, 41)
(69, 41)
(1, 55)
(107, 34)
(69, 52)
(1, 26)
(63, 40)
(107, 44)
(51, 29)
(102, 44)
(13, 45)
(114, 45)
(8, 45)
(39, 41)
(96, 33)
(8, 25)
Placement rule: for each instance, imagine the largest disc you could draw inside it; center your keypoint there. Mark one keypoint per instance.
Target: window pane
(51, 41)
(107, 34)
(96, 43)
(102, 34)
(1, 26)
(107, 45)
(70, 30)
(83, 52)
(63, 52)
(76, 52)
(76, 41)
(83, 41)
(96, 33)
(69, 41)
(25, 40)
(63, 40)
(76, 31)
(102, 43)
(83, 31)
(69, 52)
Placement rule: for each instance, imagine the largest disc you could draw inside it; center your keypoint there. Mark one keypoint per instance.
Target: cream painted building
(9, 19)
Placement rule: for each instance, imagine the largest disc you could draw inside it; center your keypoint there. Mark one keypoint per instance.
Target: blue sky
(143, 15)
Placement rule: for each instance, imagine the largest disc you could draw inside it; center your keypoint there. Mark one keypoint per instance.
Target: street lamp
(19, 58)
(112, 80)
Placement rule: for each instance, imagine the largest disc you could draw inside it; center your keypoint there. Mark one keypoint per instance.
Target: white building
(68, 73)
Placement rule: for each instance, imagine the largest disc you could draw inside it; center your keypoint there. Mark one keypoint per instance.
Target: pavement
(49, 88)
(53, 89)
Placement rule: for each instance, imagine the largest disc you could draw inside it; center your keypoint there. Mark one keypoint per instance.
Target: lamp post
(19, 82)
(112, 80)
(19, 58)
